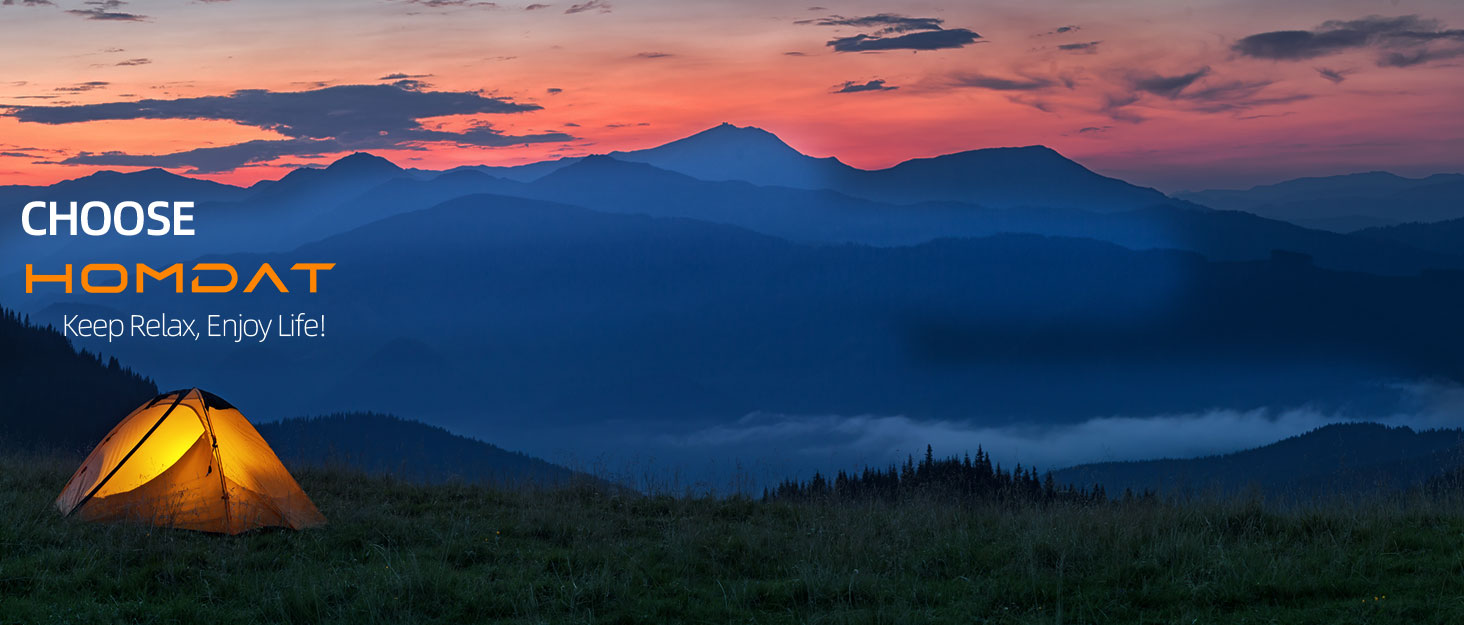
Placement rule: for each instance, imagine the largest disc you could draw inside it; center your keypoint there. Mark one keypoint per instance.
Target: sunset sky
(1177, 95)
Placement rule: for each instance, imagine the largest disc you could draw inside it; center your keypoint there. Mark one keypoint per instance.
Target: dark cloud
(653, 55)
(1190, 92)
(895, 32)
(571, 125)
(31, 3)
(601, 6)
(1234, 97)
(1091, 130)
(1088, 47)
(794, 53)
(536, 7)
(996, 83)
(1036, 103)
(442, 4)
(344, 112)
(887, 23)
(1115, 106)
(1333, 75)
(84, 86)
(410, 84)
(322, 121)
(554, 91)
(1060, 30)
(1168, 86)
(1267, 115)
(1233, 90)
(1418, 57)
(857, 87)
(928, 40)
(103, 10)
(214, 159)
(133, 62)
(401, 76)
(1403, 40)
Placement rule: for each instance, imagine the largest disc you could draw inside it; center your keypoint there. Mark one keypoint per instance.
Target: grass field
(397, 553)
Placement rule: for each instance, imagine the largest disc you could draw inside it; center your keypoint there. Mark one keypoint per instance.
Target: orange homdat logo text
(207, 277)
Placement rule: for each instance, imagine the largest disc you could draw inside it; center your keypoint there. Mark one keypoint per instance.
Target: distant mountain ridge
(1442, 237)
(1345, 203)
(1333, 459)
(412, 451)
(606, 183)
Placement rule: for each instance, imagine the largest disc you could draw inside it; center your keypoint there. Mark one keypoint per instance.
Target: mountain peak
(999, 165)
(153, 173)
(1025, 152)
(362, 162)
(748, 153)
(113, 184)
(726, 136)
(729, 128)
(353, 170)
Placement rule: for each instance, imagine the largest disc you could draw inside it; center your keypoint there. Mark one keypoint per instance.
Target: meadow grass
(400, 553)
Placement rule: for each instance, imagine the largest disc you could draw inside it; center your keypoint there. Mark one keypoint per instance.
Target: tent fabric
(189, 460)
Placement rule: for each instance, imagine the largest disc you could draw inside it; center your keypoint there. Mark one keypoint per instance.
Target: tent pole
(218, 460)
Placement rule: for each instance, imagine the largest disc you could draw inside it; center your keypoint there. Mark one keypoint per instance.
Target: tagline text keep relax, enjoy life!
(237, 328)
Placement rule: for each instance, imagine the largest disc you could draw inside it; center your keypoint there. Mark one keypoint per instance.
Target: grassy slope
(395, 553)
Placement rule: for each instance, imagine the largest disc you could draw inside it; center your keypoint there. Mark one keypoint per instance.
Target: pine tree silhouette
(952, 478)
(56, 396)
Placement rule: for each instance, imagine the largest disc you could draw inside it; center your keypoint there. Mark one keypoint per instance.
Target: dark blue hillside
(381, 444)
(1346, 203)
(1444, 237)
(1342, 458)
(55, 397)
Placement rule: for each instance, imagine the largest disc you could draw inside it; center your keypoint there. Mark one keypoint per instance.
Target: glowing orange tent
(190, 460)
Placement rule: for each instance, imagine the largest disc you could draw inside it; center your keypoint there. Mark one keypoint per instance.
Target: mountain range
(624, 302)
